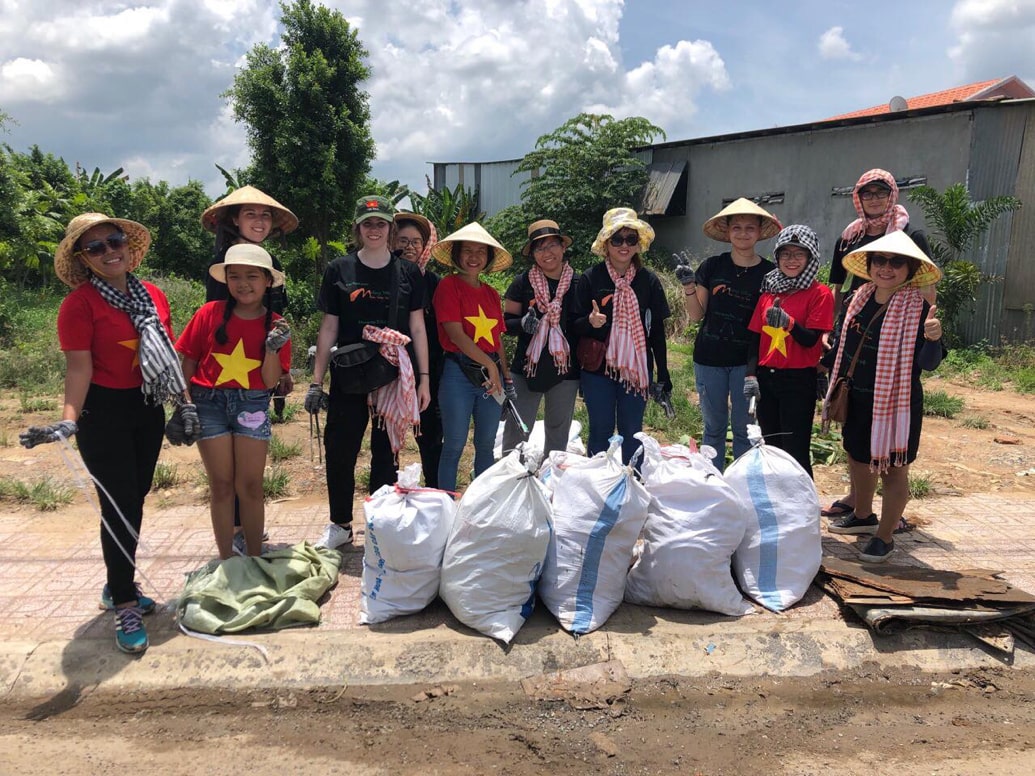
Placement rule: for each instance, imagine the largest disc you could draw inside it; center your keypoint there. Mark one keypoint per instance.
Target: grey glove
(315, 399)
(822, 385)
(751, 388)
(38, 435)
(664, 398)
(685, 274)
(530, 321)
(777, 317)
(184, 427)
(278, 335)
(510, 390)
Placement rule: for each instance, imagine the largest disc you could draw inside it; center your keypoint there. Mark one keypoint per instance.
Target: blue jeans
(460, 401)
(720, 388)
(236, 411)
(608, 405)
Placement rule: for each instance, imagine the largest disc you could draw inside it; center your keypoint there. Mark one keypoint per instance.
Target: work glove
(278, 335)
(663, 396)
(315, 399)
(685, 274)
(510, 390)
(530, 321)
(184, 427)
(38, 435)
(822, 385)
(777, 317)
(751, 388)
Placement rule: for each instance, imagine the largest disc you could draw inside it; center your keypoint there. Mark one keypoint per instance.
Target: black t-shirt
(733, 291)
(366, 299)
(546, 376)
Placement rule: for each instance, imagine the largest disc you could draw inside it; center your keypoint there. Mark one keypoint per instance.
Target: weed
(166, 476)
(282, 451)
(974, 421)
(290, 410)
(1024, 380)
(275, 483)
(919, 485)
(44, 494)
(826, 448)
(31, 404)
(939, 404)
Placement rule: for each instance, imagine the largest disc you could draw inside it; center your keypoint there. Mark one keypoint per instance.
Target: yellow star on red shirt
(777, 339)
(134, 345)
(236, 366)
(483, 326)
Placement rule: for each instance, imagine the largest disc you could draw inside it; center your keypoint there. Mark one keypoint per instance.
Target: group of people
(420, 352)
(768, 345)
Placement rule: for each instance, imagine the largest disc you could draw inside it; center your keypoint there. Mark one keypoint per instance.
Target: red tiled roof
(948, 96)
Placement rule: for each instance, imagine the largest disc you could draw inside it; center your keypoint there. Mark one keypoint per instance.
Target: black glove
(663, 396)
(751, 388)
(38, 435)
(315, 399)
(184, 427)
(530, 321)
(777, 317)
(822, 385)
(278, 335)
(685, 274)
(510, 390)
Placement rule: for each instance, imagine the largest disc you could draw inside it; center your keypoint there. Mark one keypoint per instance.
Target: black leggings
(786, 409)
(119, 440)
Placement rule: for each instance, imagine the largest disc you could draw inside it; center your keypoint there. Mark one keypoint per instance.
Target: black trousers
(347, 420)
(119, 440)
(430, 440)
(786, 409)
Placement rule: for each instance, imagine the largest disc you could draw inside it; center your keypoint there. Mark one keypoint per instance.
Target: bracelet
(425, 373)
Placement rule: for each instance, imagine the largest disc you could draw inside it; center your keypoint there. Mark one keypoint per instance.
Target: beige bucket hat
(473, 232)
(284, 220)
(717, 227)
(618, 218)
(900, 244)
(71, 271)
(248, 255)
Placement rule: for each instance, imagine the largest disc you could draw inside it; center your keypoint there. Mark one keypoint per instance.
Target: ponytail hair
(228, 310)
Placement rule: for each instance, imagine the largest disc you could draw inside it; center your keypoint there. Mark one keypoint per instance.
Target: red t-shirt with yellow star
(478, 310)
(812, 308)
(87, 322)
(238, 363)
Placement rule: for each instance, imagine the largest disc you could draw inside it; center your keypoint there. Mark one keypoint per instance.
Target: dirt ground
(868, 722)
(957, 459)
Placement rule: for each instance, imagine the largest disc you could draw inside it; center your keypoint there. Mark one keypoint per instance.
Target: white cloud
(994, 39)
(833, 45)
(23, 78)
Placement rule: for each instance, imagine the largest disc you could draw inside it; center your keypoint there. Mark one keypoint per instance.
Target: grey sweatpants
(560, 406)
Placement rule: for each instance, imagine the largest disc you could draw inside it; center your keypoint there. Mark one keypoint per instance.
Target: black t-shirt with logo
(733, 291)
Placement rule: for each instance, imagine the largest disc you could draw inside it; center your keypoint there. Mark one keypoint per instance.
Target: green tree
(179, 244)
(583, 168)
(955, 223)
(308, 119)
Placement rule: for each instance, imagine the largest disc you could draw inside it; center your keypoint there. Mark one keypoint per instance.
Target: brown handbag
(837, 404)
(590, 353)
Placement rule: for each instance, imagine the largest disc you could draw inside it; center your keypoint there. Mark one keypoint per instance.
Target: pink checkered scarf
(549, 331)
(626, 355)
(889, 434)
(893, 219)
(395, 405)
(425, 255)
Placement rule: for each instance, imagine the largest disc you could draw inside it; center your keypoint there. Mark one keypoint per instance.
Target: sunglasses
(895, 262)
(97, 248)
(630, 239)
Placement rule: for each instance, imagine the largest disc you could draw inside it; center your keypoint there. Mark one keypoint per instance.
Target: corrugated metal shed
(664, 177)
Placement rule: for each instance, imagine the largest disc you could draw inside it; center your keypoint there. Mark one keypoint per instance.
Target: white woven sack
(598, 510)
(406, 531)
(553, 468)
(781, 551)
(694, 523)
(496, 549)
(537, 438)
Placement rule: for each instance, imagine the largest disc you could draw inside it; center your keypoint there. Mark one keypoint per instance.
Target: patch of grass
(30, 404)
(166, 476)
(45, 494)
(1024, 380)
(290, 410)
(826, 448)
(974, 421)
(275, 483)
(282, 451)
(920, 485)
(939, 404)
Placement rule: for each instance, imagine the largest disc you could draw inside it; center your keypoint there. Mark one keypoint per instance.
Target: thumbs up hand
(777, 317)
(597, 318)
(932, 326)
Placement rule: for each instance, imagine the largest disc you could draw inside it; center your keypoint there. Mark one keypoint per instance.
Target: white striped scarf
(159, 365)
(893, 381)
(395, 405)
(549, 332)
(626, 354)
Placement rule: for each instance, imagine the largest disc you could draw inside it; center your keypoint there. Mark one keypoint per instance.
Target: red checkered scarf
(425, 255)
(892, 385)
(626, 354)
(549, 331)
(893, 219)
(395, 404)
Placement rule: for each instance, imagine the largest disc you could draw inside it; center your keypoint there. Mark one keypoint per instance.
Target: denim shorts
(233, 411)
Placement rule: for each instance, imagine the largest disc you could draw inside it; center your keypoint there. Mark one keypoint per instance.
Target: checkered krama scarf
(425, 255)
(626, 355)
(395, 404)
(893, 219)
(889, 434)
(549, 331)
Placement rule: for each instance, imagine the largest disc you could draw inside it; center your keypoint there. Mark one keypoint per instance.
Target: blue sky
(110, 83)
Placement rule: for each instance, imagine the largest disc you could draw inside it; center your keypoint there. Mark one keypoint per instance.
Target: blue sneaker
(130, 635)
(146, 605)
(876, 550)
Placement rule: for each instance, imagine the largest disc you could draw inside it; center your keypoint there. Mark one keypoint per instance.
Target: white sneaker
(335, 535)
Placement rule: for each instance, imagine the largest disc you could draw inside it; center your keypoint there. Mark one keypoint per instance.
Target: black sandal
(837, 509)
